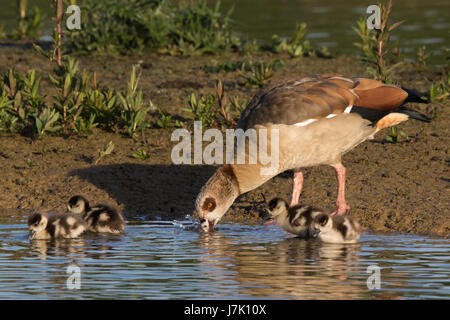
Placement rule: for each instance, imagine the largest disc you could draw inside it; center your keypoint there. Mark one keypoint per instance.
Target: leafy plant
(396, 135)
(30, 22)
(165, 119)
(261, 72)
(296, 46)
(107, 150)
(141, 154)
(83, 126)
(228, 66)
(120, 26)
(422, 56)
(134, 110)
(441, 91)
(68, 100)
(375, 45)
(202, 109)
(46, 121)
(198, 28)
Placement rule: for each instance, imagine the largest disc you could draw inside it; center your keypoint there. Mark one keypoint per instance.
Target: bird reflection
(73, 248)
(292, 268)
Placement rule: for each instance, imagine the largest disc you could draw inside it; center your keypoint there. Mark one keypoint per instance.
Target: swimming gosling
(100, 218)
(55, 225)
(338, 229)
(298, 220)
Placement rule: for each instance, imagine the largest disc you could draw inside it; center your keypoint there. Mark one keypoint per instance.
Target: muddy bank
(402, 187)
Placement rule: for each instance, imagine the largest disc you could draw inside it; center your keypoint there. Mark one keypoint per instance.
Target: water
(165, 260)
(329, 22)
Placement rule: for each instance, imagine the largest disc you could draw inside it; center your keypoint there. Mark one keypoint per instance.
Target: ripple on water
(166, 260)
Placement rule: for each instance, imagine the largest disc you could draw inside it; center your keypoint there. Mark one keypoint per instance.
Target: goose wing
(299, 101)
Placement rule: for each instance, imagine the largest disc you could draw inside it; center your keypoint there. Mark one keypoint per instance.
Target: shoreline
(401, 187)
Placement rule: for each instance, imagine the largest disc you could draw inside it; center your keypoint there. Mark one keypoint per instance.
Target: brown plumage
(319, 118)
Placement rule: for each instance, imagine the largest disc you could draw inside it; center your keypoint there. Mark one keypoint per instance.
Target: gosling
(298, 220)
(55, 225)
(100, 218)
(338, 229)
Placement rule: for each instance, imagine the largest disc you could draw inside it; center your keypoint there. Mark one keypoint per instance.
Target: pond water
(330, 22)
(173, 260)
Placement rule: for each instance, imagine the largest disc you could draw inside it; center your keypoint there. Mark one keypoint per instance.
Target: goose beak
(207, 225)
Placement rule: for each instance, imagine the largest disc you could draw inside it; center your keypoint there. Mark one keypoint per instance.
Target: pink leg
(342, 206)
(297, 185)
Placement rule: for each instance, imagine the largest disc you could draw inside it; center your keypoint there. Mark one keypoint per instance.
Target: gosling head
(323, 223)
(78, 205)
(216, 197)
(37, 223)
(277, 207)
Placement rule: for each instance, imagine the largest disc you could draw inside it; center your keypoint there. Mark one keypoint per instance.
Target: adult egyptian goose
(55, 225)
(100, 218)
(318, 119)
(301, 220)
(338, 229)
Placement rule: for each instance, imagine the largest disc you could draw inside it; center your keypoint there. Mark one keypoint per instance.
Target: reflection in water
(164, 260)
(287, 269)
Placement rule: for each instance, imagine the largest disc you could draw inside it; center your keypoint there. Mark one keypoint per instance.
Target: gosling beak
(315, 232)
(207, 225)
(31, 234)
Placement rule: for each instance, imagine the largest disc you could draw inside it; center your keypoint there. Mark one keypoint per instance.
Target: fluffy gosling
(298, 220)
(338, 229)
(100, 218)
(55, 225)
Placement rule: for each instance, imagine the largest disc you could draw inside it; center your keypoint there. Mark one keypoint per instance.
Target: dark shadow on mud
(150, 191)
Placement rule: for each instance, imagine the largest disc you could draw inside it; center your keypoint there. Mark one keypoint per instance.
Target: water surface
(329, 22)
(167, 260)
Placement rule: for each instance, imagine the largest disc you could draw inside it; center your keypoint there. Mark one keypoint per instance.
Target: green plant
(29, 23)
(46, 121)
(239, 107)
(261, 72)
(107, 150)
(134, 110)
(85, 126)
(68, 100)
(141, 154)
(198, 28)
(422, 56)
(376, 45)
(202, 109)
(296, 45)
(396, 135)
(164, 120)
(120, 26)
(228, 66)
(441, 91)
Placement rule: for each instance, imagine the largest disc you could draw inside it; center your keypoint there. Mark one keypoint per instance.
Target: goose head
(216, 197)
